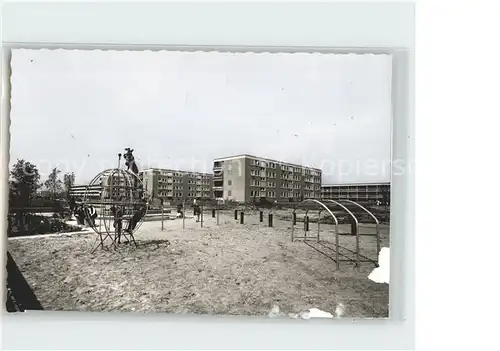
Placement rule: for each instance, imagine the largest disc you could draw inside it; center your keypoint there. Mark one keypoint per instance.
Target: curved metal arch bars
(322, 207)
(303, 202)
(356, 223)
(127, 185)
(107, 172)
(345, 209)
(377, 223)
(363, 208)
(118, 172)
(355, 229)
(318, 203)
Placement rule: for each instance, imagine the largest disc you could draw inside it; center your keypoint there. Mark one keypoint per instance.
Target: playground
(217, 265)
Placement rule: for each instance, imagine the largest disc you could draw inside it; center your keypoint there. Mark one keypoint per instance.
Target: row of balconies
(258, 170)
(284, 185)
(180, 194)
(172, 187)
(283, 168)
(272, 194)
(181, 179)
(353, 196)
(353, 192)
(360, 187)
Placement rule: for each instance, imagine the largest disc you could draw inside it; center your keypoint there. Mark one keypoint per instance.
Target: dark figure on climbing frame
(136, 218)
(179, 210)
(91, 215)
(131, 165)
(117, 212)
(72, 204)
(197, 212)
(77, 211)
(84, 212)
(130, 161)
(79, 214)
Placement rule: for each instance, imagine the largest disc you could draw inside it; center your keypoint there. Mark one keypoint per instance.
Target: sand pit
(230, 269)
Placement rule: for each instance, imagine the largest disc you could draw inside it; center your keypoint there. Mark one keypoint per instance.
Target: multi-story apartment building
(243, 178)
(370, 192)
(174, 185)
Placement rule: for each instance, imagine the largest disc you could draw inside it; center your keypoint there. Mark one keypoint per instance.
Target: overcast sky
(76, 110)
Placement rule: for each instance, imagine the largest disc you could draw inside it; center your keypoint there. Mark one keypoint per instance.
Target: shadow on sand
(20, 296)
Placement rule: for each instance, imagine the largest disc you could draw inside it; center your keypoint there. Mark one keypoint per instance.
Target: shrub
(29, 224)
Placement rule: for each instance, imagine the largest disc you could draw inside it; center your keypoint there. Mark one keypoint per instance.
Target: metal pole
(217, 214)
(306, 224)
(293, 222)
(357, 244)
(162, 217)
(235, 214)
(378, 238)
(294, 216)
(242, 218)
(184, 214)
(201, 215)
(261, 216)
(319, 223)
(337, 246)
(270, 219)
(305, 231)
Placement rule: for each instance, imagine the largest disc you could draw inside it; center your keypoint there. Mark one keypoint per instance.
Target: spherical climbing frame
(121, 208)
(315, 242)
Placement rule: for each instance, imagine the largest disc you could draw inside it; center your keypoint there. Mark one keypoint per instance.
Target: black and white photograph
(200, 182)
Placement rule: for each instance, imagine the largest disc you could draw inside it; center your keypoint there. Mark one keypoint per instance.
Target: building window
(229, 182)
(229, 193)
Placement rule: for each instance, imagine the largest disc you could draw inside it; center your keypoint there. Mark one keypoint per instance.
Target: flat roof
(264, 159)
(174, 170)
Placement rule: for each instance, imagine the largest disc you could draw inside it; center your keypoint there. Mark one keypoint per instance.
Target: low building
(364, 192)
(108, 186)
(79, 191)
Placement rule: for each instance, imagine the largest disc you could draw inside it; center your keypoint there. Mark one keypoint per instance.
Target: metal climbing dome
(120, 210)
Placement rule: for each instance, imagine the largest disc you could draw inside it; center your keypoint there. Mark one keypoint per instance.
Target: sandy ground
(229, 269)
